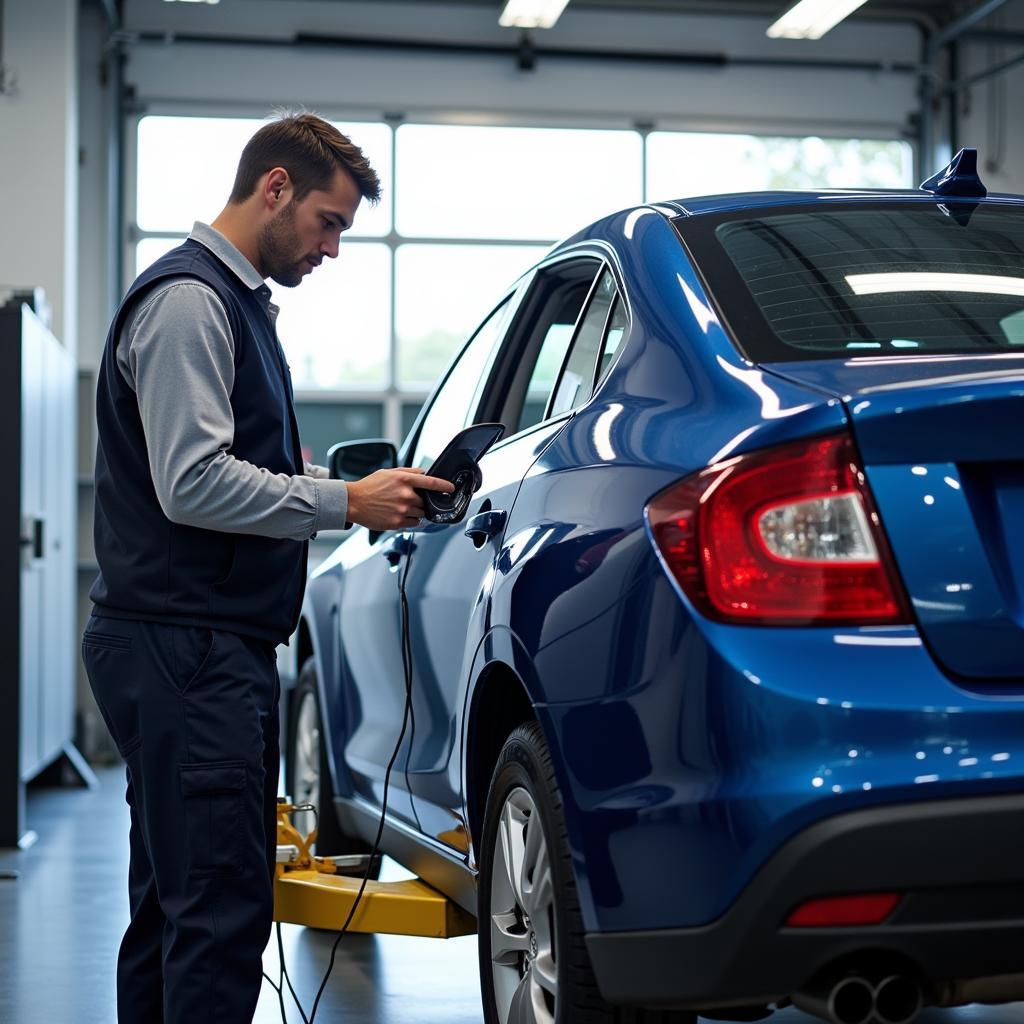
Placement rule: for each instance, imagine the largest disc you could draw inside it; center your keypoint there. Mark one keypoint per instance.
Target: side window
(559, 295)
(455, 404)
(577, 381)
(618, 324)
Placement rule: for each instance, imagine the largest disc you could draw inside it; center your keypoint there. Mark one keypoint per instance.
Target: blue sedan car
(717, 692)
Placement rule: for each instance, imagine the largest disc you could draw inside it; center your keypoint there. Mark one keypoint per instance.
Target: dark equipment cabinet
(37, 560)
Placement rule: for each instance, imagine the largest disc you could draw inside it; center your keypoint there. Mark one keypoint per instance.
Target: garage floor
(61, 921)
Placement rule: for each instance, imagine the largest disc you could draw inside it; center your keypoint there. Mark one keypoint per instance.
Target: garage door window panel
(513, 182)
(712, 163)
(455, 404)
(442, 293)
(336, 328)
(169, 146)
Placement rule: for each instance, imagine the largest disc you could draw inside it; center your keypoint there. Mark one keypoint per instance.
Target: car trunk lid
(941, 443)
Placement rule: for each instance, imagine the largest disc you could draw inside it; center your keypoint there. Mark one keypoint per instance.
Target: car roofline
(729, 202)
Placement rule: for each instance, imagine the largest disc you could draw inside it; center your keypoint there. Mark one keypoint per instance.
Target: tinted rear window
(815, 282)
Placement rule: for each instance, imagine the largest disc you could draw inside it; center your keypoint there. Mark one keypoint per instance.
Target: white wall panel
(39, 156)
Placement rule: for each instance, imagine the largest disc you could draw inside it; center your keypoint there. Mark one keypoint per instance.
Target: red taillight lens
(844, 911)
(786, 536)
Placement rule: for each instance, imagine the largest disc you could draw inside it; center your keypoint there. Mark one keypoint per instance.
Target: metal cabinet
(37, 557)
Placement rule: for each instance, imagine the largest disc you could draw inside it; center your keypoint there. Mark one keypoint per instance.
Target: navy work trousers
(194, 713)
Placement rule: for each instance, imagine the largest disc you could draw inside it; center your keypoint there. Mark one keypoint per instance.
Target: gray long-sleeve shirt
(176, 352)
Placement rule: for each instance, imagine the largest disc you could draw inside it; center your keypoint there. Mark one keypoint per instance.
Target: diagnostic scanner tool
(458, 464)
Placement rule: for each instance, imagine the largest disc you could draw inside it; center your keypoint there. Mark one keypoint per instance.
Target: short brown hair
(310, 150)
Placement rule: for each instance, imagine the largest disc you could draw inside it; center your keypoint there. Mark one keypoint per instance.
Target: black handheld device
(458, 463)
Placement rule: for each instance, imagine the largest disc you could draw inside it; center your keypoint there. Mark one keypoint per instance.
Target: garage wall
(193, 77)
(39, 156)
(170, 74)
(336, 77)
(991, 111)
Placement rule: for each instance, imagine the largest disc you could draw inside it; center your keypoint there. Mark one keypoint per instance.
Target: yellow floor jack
(319, 892)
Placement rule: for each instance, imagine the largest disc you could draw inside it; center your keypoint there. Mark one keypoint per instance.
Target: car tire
(534, 966)
(307, 777)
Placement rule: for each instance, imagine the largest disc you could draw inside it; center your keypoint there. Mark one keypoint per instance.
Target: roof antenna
(959, 178)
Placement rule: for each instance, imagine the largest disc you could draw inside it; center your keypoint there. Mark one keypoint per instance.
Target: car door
(451, 566)
(370, 686)
(370, 619)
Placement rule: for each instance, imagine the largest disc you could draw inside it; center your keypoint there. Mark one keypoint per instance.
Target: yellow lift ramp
(319, 892)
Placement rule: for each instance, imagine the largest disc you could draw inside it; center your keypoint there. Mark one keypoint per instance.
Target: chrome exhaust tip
(849, 999)
(898, 999)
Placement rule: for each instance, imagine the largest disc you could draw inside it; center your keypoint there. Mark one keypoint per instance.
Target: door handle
(484, 525)
(397, 550)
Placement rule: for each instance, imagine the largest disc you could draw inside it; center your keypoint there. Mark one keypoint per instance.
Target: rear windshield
(815, 282)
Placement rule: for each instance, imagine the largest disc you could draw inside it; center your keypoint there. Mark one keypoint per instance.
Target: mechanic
(204, 508)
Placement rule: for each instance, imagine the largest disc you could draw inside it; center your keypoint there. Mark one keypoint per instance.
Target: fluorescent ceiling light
(531, 13)
(811, 19)
(986, 284)
(192, 1)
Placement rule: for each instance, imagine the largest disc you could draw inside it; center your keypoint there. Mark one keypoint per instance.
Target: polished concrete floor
(62, 918)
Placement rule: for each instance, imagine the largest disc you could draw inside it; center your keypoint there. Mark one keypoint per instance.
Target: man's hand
(387, 499)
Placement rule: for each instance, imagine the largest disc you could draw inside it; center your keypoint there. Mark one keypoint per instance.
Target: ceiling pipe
(956, 28)
(691, 59)
(997, 69)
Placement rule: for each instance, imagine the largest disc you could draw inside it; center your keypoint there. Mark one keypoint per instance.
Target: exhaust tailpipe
(898, 999)
(848, 999)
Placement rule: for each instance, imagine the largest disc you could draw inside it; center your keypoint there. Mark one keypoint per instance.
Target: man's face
(302, 233)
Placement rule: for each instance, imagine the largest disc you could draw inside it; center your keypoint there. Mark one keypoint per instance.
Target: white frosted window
(149, 250)
(443, 292)
(187, 165)
(683, 164)
(460, 181)
(335, 327)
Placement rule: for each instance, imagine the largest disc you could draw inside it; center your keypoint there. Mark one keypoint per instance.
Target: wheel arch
(303, 644)
(500, 702)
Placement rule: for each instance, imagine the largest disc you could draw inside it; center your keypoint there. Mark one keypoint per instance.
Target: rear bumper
(960, 863)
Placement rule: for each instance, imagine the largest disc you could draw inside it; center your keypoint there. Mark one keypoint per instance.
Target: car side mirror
(352, 460)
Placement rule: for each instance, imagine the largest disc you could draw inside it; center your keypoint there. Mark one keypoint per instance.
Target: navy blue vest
(156, 570)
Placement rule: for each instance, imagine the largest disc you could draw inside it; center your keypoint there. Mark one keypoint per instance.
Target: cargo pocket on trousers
(213, 792)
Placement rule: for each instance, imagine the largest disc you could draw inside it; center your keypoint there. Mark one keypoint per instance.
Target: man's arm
(179, 358)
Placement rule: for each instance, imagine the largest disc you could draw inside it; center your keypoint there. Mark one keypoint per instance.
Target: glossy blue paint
(687, 750)
(940, 440)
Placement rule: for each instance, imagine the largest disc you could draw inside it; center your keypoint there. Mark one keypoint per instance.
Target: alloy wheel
(522, 916)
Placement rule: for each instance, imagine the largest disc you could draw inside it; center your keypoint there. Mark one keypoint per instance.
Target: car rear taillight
(784, 536)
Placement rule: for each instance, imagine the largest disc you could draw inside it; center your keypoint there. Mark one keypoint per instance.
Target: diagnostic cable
(458, 464)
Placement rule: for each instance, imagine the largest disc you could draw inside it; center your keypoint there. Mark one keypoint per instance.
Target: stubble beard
(279, 249)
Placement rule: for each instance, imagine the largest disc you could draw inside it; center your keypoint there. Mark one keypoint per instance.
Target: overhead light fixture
(192, 1)
(979, 284)
(531, 13)
(811, 19)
